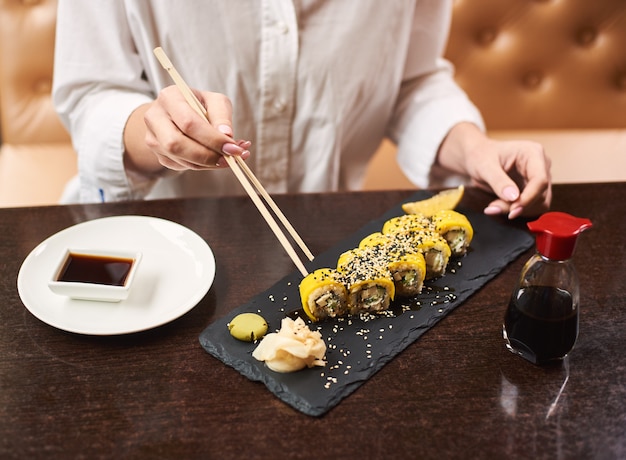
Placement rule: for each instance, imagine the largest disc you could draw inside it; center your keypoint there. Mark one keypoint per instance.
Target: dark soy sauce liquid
(541, 324)
(86, 268)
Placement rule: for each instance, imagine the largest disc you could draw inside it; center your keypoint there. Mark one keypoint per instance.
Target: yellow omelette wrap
(404, 223)
(369, 282)
(455, 228)
(408, 271)
(375, 239)
(405, 263)
(323, 294)
(433, 246)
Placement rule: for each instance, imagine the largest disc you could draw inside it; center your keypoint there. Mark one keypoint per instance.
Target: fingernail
(220, 162)
(245, 154)
(225, 129)
(232, 149)
(492, 210)
(510, 193)
(244, 144)
(515, 212)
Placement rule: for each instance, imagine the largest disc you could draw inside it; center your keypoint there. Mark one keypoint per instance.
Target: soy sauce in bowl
(97, 269)
(95, 275)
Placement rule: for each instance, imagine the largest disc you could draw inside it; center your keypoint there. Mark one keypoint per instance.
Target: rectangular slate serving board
(359, 347)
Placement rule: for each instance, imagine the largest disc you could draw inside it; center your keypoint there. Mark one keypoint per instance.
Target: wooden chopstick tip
(163, 59)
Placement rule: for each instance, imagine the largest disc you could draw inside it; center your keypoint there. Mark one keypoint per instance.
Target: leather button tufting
(532, 79)
(586, 36)
(486, 36)
(620, 81)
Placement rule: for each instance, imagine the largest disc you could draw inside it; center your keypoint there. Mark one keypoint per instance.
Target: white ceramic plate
(176, 271)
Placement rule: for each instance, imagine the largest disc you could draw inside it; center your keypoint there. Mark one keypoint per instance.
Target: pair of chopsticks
(244, 174)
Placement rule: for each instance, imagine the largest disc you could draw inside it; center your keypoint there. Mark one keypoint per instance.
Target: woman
(310, 86)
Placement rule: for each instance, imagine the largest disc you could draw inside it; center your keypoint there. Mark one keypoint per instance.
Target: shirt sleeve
(430, 102)
(97, 85)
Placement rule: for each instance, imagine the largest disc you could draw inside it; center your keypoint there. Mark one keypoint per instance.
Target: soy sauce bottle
(541, 321)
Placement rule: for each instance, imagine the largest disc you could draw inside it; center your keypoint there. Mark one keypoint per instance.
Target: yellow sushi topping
(455, 228)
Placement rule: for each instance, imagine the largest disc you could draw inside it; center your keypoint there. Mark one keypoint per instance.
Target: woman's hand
(518, 172)
(168, 133)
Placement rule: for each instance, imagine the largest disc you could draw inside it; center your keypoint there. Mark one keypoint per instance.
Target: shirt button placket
(278, 60)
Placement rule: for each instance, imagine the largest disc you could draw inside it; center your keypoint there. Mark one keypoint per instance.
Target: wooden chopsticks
(244, 174)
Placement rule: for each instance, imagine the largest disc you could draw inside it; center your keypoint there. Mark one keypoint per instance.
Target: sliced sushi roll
(407, 222)
(406, 264)
(455, 228)
(323, 295)
(367, 279)
(433, 246)
(408, 271)
(375, 239)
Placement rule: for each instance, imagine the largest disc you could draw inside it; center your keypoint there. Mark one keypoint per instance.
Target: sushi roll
(406, 264)
(404, 223)
(455, 228)
(323, 295)
(375, 239)
(408, 271)
(367, 279)
(433, 246)
(416, 232)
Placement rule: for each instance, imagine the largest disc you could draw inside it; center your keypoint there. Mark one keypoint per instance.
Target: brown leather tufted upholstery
(543, 64)
(36, 157)
(553, 71)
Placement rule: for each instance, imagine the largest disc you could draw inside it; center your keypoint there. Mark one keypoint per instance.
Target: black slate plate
(359, 347)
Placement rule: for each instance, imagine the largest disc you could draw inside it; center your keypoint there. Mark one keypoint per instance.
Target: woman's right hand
(178, 138)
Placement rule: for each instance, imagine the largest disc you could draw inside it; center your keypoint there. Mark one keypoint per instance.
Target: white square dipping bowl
(97, 275)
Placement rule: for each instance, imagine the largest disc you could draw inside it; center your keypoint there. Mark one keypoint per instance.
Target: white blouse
(315, 86)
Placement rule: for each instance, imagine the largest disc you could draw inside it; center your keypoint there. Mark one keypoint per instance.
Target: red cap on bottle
(556, 234)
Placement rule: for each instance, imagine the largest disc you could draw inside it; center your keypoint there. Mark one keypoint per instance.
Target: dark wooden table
(454, 393)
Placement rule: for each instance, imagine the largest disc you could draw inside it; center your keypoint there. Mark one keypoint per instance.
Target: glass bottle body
(541, 321)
